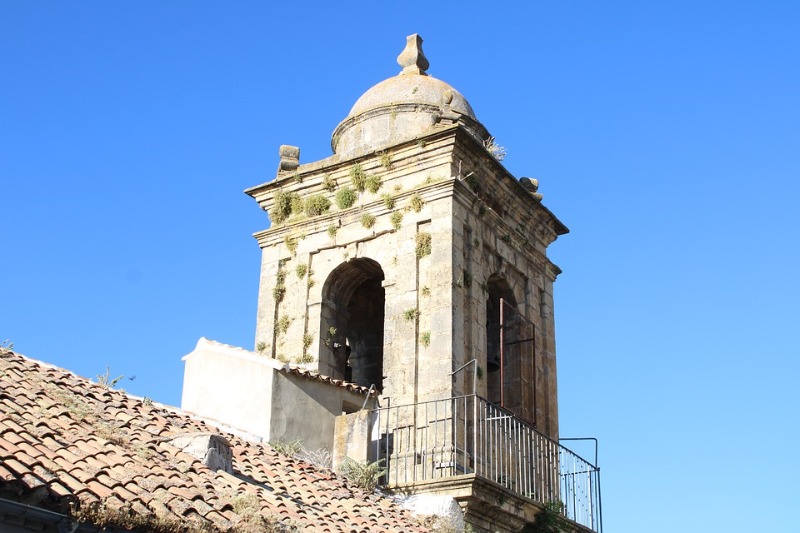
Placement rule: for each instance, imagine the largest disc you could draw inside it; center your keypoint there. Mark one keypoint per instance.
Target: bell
(493, 362)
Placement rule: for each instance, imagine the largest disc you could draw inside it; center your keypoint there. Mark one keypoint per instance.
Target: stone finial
(412, 58)
(290, 158)
(532, 186)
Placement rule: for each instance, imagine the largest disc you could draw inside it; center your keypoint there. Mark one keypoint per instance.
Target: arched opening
(352, 323)
(501, 310)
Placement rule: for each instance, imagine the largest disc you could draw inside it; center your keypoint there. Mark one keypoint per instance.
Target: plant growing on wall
(307, 340)
(373, 183)
(416, 202)
(358, 177)
(280, 288)
(304, 359)
(385, 160)
(297, 203)
(396, 219)
(548, 520)
(425, 338)
(423, 241)
(388, 201)
(328, 183)
(301, 270)
(345, 197)
(283, 206)
(316, 204)
(332, 232)
(367, 220)
(497, 151)
(411, 314)
(282, 326)
(291, 243)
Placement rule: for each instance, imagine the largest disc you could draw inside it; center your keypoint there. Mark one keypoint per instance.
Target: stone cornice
(274, 235)
(496, 170)
(488, 502)
(422, 145)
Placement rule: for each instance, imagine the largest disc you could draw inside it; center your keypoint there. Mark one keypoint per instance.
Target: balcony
(468, 436)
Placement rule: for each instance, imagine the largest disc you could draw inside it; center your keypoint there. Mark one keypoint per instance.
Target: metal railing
(466, 435)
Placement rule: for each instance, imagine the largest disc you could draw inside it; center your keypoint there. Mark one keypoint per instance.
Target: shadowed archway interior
(353, 300)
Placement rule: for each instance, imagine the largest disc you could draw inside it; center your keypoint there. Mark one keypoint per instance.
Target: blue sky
(666, 136)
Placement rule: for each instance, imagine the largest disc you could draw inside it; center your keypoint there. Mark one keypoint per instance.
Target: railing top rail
(594, 466)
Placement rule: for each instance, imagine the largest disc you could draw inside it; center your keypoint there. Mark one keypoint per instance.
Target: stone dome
(412, 89)
(403, 107)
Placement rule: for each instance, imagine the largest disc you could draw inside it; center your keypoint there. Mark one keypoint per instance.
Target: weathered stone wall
(409, 238)
(502, 230)
(445, 217)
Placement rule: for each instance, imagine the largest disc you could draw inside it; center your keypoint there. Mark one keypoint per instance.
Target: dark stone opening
(352, 323)
(498, 290)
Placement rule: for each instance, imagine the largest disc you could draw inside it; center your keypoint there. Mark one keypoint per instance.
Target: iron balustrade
(470, 435)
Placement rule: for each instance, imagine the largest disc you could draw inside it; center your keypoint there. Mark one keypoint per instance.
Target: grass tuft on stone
(316, 204)
(396, 219)
(368, 220)
(345, 197)
(358, 177)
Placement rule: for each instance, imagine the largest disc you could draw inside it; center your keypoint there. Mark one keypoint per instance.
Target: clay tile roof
(65, 439)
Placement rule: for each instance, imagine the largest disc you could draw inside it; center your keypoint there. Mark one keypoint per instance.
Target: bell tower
(411, 260)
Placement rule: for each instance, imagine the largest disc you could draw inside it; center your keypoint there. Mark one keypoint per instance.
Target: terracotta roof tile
(74, 439)
(99, 489)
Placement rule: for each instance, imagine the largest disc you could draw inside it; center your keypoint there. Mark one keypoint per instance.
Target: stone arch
(499, 377)
(352, 322)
